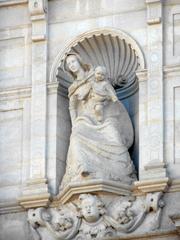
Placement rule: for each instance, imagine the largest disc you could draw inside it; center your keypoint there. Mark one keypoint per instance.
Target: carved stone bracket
(37, 7)
(93, 216)
(154, 12)
(38, 12)
(154, 203)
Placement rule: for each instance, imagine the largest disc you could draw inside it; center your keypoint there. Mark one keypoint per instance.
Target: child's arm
(111, 92)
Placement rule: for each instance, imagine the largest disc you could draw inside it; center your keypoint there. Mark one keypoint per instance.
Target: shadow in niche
(63, 134)
(131, 104)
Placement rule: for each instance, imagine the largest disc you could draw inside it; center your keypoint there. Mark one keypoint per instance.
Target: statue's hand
(114, 99)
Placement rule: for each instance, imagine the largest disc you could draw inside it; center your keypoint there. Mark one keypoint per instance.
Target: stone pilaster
(36, 191)
(155, 80)
(152, 169)
(154, 160)
(143, 130)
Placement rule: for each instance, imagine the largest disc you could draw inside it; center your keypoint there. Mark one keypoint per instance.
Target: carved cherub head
(91, 207)
(121, 210)
(100, 73)
(61, 221)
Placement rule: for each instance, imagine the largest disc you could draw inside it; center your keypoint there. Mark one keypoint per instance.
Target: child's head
(91, 207)
(100, 73)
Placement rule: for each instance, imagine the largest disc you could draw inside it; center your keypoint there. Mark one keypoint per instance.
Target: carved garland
(90, 218)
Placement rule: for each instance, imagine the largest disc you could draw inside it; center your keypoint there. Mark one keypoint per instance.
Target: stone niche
(122, 57)
(92, 204)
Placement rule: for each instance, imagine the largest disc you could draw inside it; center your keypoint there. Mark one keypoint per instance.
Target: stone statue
(102, 91)
(101, 129)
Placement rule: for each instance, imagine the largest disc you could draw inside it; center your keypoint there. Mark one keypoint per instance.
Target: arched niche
(121, 56)
(112, 48)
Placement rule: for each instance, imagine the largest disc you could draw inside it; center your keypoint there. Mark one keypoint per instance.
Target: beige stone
(35, 124)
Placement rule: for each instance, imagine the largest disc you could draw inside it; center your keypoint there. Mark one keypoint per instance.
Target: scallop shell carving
(115, 54)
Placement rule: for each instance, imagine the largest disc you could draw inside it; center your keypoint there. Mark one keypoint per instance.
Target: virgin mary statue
(101, 129)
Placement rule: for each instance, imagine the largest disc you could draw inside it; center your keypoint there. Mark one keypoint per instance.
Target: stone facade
(141, 37)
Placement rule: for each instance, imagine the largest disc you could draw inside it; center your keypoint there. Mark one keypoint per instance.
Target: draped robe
(97, 150)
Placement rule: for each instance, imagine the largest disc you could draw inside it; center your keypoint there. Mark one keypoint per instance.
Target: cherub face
(73, 63)
(90, 210)
(99, 75)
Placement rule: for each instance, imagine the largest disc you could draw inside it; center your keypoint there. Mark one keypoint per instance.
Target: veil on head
(85, 66)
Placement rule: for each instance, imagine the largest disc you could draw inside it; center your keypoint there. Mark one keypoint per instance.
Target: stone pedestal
(99, 186)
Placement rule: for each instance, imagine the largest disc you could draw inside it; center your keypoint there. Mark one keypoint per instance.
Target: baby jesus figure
(102, 91)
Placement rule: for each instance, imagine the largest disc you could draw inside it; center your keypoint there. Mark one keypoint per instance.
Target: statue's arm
(111, 92)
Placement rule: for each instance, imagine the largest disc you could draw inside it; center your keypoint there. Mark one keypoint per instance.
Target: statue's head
(100, 73)
(73, 63)
(91, 207)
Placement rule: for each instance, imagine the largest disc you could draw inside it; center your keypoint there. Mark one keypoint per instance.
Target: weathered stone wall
(34, 118)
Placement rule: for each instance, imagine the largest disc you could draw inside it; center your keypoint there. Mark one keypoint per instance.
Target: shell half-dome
(112, 52)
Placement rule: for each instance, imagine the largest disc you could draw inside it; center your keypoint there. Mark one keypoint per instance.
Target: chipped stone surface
(35, 125)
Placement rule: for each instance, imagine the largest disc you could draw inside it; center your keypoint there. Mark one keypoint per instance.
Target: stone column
(152, 166)
(36, 192)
